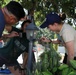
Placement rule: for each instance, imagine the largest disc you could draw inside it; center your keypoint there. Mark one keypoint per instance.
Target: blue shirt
(2, 22)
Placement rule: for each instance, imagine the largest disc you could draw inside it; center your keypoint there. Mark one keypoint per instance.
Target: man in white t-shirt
(67, 33)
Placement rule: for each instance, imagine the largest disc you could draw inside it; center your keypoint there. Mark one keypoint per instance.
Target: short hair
(16, 9)
(27, 21)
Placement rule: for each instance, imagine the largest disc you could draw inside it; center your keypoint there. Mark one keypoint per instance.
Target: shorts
(2, 61)
(8, 63)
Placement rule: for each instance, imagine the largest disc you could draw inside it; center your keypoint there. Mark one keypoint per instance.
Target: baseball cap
(51, 18)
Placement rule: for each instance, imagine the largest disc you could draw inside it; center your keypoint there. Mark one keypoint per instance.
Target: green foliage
(64, 69)
(72, 73)
(44, 32)
(27, 4)
(47, 73)
(4, 2)
(42, 7)
(73, 63)
(48, 34)
(49, 62)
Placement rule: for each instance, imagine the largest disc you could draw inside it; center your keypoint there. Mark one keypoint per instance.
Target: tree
(42, 7)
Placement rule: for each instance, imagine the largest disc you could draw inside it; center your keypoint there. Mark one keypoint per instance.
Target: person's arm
(13, 31)
(70, 48)
(56, 41)
(12, 34)
(44, 39)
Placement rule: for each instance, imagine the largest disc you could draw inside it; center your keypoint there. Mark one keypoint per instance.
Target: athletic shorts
(7, 62)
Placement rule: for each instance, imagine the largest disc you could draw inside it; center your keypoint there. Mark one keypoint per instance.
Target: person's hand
(23, 19)
(44, 39)
(12, 34)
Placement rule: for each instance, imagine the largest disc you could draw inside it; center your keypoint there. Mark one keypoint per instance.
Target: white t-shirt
(68, 33)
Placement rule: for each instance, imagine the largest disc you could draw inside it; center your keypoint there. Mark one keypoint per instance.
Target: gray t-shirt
(68, 34)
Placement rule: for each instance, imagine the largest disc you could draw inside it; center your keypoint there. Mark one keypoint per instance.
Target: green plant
(49, 64)
(65, 69)
(49, 60)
